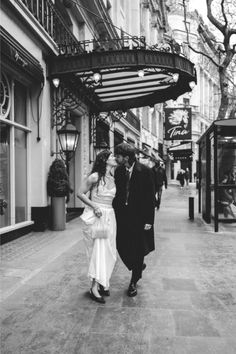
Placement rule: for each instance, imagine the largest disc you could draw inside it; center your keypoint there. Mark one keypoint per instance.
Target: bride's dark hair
(100, 164)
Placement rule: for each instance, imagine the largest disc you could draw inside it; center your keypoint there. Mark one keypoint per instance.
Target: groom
(134, 206)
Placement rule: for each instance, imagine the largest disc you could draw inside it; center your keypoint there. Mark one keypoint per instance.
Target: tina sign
(178, 124)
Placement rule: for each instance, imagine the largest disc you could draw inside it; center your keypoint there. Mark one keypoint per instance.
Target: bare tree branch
(223, 13)
(212, 19)
(204, 54)
(188, 42)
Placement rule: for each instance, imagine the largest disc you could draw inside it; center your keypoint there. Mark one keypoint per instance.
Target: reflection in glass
(20, 103)
(203, 178)
(226, 155)
(4, 175)
(20, 175)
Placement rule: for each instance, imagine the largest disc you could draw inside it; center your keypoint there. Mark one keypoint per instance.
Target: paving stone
(193, 324)
(179, 284)
(206, 301)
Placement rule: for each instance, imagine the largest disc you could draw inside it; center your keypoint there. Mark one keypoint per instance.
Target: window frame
(9, 121)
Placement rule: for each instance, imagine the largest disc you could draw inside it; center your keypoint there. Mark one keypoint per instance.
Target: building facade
(204, 99)
(33, 108)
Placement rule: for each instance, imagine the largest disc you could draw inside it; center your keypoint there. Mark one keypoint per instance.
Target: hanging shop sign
(178, 123)
(183, 154)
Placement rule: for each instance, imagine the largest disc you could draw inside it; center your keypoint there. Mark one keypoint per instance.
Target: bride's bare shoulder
(93, 178)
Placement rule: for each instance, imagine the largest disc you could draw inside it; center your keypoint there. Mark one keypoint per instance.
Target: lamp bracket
(67, 97)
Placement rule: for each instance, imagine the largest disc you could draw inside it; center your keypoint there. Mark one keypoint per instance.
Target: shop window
(145, 118)
(102, 134)
(20, 175)
(154, 124)
(4, 175)
(118, 138)
(13, 152)
(131, 141)
(20, 103)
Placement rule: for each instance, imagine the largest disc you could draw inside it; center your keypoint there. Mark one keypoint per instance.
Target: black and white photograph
(118, 176)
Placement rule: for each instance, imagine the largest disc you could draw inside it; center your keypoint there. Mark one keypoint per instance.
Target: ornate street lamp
(68, 137)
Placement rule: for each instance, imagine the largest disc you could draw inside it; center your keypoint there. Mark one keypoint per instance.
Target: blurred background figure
(160, 179)
(181, 177)
(186, 176)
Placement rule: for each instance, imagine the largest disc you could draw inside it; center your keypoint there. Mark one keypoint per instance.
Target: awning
(16, 58)
(149, 153)
(130, 78)
(182, 154)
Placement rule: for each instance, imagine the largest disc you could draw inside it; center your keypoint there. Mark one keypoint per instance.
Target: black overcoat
(133, 241)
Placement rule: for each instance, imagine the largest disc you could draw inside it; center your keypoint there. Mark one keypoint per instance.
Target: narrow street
(186, 301)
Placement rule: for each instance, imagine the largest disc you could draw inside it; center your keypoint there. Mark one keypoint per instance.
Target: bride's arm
(85, 187)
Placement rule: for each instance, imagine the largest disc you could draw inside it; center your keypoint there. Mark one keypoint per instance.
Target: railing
(51, 20)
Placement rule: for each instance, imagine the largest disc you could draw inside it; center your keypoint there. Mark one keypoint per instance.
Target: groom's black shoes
(132, 290)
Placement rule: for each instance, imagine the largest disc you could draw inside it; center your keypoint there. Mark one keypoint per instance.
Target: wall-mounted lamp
(68, 137)
(175, 77)
(141, 73)
(192, 84)
(96, 80)
(56, 82)
(97, 77)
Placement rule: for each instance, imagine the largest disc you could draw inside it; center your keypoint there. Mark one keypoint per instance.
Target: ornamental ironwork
(5, 96)
(169, 45)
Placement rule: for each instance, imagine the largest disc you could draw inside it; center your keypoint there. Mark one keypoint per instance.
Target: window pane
(226, 154)
(20, 103)
(145, 118)
(20, 175)
(4, 175)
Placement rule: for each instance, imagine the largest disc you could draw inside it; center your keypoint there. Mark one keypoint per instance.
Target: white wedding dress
(102, 252)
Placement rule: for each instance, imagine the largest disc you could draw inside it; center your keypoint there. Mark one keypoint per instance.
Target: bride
(99, 215)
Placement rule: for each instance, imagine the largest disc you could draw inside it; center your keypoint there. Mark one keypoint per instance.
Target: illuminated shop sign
(178, 123)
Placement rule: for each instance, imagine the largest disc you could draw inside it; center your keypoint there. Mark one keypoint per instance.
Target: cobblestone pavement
(186, 299)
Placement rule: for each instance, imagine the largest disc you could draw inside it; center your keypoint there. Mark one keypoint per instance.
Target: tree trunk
(224, 101)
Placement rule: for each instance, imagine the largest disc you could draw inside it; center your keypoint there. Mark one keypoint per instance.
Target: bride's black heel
(103, 292)
(100, 300)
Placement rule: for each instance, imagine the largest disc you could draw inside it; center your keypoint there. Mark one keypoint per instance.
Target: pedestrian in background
(180, 178)
(99, 224)
(187, 176)
(134, 206)
(160, 179)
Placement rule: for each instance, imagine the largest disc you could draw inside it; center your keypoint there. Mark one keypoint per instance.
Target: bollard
(191, 208)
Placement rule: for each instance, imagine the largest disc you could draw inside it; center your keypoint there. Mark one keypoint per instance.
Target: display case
(217, 173)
